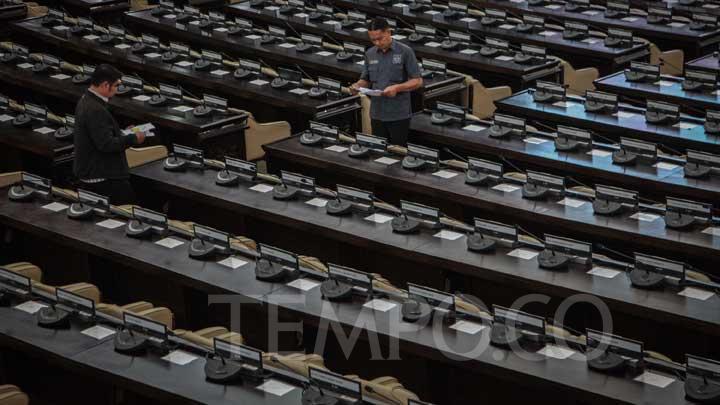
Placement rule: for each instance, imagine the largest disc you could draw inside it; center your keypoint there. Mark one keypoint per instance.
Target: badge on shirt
(397, 59)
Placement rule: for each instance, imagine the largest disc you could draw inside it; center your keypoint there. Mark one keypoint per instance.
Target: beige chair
(35, 10)
(139, 156)
(578, 81)
(137, 5)
(671, 62)
(204, 337)
(258, 134)
(482, 99)
(141, 308)
(35, 274)
(298, 363)
(9, 178)
(11, 395)
(386, 389)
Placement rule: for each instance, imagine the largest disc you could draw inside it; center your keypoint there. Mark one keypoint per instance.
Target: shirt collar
(105, 99)
(393, 47)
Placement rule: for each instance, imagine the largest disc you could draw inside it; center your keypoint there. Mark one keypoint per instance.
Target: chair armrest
(584, 79)
(672, 62)
(260, 134)
(139, 156)
(496, 93)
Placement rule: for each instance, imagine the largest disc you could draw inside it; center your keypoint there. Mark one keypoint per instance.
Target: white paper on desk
(184, 63)
(182, 108)
(253, 37)
(286, 45)
(360, 29)
(179, 357)
(336, 148)
(361, 62)
(232, 262)
(91, 37)
(677, 24)
(663, 83)
(221, 29)
(506, 188)
(331, 22)
(386, 161)
(468, 19)
(60, 76)
(299, 91)
(275, 387)
(323, 53)
(471, 328)
(712, 230)
(534, 141)
(303, 284)
(433, 44)
(590, 12)
(272, 8)
(665, 166)
(448, 235)
(432, 12)
(506, 27)
(262, 188)
(599, 153)
(30, 307)
(556, 352)
(474, 128)
(398, 37)
(122, 46)
(110, 224)
(711, 5)
(98, 332)
(153, 55)
(378, 218)
(445, 174)
(564, 104)
(195, 22)
(400, 5)
(468, 51)
(604, 272)
(55, 207)
(301, 15)
(572, 202)
(219, 72)
(25, 65)
(590, 40)
(624, 114)
(169, 242)
(259, 82)
(504, 58)
(696, 293)
(44, 130)
(141, 97)
(380, 305)
(5, 118)
(553, 6)
(684, 125)
(629, 19)
(524, 254)
(548, 33)
(653, 379)
(644, 216)
(370, 92)
(317, 202)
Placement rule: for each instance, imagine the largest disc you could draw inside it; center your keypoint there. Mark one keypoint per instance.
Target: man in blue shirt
(392, 68)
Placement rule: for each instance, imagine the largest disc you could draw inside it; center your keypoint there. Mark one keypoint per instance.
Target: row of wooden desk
(569, 376)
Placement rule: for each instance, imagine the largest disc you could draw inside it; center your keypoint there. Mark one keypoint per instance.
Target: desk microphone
(53, 318)
(416, 310)
(265, 270)
(333, 290)
(338, 207)
(405, 225)
(548, 259)
(220, 371)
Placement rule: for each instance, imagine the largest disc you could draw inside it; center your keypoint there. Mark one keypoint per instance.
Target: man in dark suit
(100, 163)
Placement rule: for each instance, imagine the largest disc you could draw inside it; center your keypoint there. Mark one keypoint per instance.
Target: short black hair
(378, 23)
(105, 73)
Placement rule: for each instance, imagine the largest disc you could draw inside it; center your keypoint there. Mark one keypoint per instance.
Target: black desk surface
(127, 106)
(36, 143)
(472, 62)
(670, 91)
(690, 39)
(710, 63)
(523, 105)
(571, 376)
(225, 86)
(12, 10)
(455, 193)
(426, 250)
(699, 7)
(600, 168)
(597, 50)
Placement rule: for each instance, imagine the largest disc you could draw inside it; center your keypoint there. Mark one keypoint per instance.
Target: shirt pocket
(397, 73)
(373, 73)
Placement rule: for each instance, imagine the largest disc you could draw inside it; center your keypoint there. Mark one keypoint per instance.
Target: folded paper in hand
(370, 92)
(146, 128)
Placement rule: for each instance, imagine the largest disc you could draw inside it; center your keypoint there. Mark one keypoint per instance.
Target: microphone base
(646, 280)
(219, 373)
(333, 291)
(413, 163)
(679, 221)
(416, 311)
(604, 207)
(270, 272)
(53, 318)
(338, 207)
(357, 151)
(479, 244)
(533, 192)
(405, 225)
(549, 261)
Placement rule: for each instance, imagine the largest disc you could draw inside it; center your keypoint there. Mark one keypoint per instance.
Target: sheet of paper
(299, 91)
(336, 148)
(253, 37)
(98, 332)
(262, 188)
(122, 46)
(645, 216)
(433, 44)
(60, 76)
(604, 272)
(182, 108)
(169, 242)
(55, 207)
(474, 128)
(653, 379)
(468, 51)
(398, 37)
(553, 6)
(5, 118)
(91, 37)
(432, 12)
(44, 130)
(110, 224)
(629, 19)
(286, 45)
(468, 19)
(506, 27)
(504, 58)
(556, 352)
(303, 284)
(624, 114)
(712, 230)
(696, 293)
(153, 55)
(25, 65)
(184, 63)
(317, 202)
(259, 82)
(448, 235)
(664, 83)
(445, 174)
(370, 92)
(219, 72)
(275, 387)
(380, 305)
(142, 98)
(506, 188)
(360, 29)
(676, 24)
(471, 328)
(548, 33)
(386, 161)
(220, 29)
(572, 202)
(379, 218)
(525, 254)
(590, 40)
(180, 357)
(302, 15)
(599, 153)
(535, 141)
(400, 5)
(665, 166)
(685, 125)
(30, 307)
(591, 12)
(232, 262)
(323, 53)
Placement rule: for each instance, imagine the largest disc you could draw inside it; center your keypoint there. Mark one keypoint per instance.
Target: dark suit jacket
(99, 143)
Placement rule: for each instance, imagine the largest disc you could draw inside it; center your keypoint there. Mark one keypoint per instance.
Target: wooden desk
(635, 126)
(492, 70)
(580, 54)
